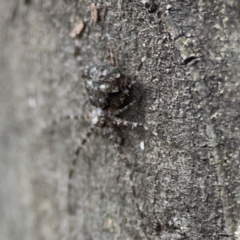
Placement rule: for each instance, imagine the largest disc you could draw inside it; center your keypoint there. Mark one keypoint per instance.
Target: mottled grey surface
(185, 57)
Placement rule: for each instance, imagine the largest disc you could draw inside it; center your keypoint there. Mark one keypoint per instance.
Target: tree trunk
(177, 177)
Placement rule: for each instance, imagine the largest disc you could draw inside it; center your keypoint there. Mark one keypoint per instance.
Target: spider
(107, 88)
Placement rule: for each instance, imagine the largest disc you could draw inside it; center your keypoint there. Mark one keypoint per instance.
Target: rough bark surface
(184, 184)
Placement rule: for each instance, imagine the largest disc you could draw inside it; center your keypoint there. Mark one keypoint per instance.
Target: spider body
(107, 88)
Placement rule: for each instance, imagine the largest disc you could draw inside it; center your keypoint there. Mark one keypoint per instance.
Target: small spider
(107, 88)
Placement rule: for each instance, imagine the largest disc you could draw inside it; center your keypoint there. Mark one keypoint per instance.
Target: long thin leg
(72, 203)
(117, 112)
(130, 167)
(118, 121)
(66, 117)
(122, 122)
(111, 57)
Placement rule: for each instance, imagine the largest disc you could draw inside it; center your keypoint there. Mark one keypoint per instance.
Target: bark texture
(184, 56)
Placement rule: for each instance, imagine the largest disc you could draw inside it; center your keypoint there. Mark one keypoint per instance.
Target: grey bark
(184, 56)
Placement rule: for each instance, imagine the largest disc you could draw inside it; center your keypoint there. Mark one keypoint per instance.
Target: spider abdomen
(106, 86)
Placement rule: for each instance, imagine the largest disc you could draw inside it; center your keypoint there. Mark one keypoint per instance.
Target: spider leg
(123, 156)
(118, 121)
(129, 165)
(72, 192)
(122, 122)
(117, 112)
(71, 117)
(66, 117)
(72, 203)
(111, 57)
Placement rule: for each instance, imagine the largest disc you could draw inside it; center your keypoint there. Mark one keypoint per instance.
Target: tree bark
(184, 184)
